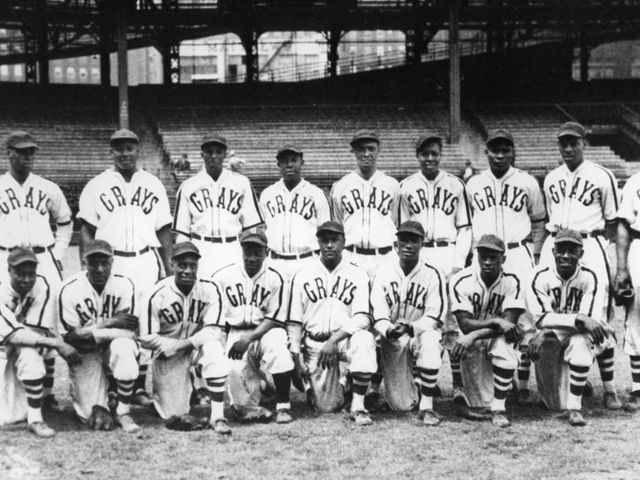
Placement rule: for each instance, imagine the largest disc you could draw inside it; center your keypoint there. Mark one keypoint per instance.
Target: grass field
(536, 446)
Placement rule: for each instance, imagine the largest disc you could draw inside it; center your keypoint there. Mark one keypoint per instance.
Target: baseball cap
(500, 134)
(20, 139)
(254, 236)
(288, 147)
(491, 242)
(361, 135)
(412, 227)
(184, 248)
(124, 134)
(428, 137)
(568, 236)
(572, 129)
(97, 246)
(20, 255)
(330, 226)
(213, 138)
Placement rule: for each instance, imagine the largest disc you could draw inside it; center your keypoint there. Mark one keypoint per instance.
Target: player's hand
(511, 331)
(328, 354)
(623, 288)
(598, 331)
(123, 320)
(239, 348)
(170, 347)
(460, 347)
(70, 354)
(397, 331)
(535, 345)
(151, 341)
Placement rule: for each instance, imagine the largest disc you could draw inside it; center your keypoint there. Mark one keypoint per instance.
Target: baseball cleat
(371, 400)
(112, 401)
(141, 398)
(576, 419)
(361, 418)
(221, 426)
(633, 403)
(284, 416)
(611, 401)
(430, 418)
(50, 404)
(200, 397)
(459, 397)
(127, 423)
(500, 420)
(524, 397)
(42, 430)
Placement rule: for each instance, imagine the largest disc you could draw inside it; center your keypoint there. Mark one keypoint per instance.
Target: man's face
(253, 255)
(429, 158)
(572, 150)
(331, 246)
(21, 160)
(125, 155)
(490, 261)
(98, 269)
(366, 153)
(185, 270)
(567, 255)
(501, 155)
(213, 155)
(23, 277)
(290, 166)
(409, 246)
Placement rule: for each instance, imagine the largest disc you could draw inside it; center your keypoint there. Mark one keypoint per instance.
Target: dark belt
(121, 253)
(228, 327)
(511, 245)
(318, 337)
(291, 256)
(635, 235)
(369, 251)
(594, 234)
(437, 243)
(215, 239)
(33, 249)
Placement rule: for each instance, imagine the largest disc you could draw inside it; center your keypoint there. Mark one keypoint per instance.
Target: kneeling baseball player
(181, 323)
(409, 304)
(328, 323)
(567, 302)
(487, 303)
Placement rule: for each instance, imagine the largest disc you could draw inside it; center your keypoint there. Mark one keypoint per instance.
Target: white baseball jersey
(554, 299)
(170, 313)
(79, 305)
(292, 216)
(368, 209)
(469, 293)
(125, 214)
(324, 302)
(8, 324)
(580, 200)
(36, 308)
(26, 211)
(418, 298)
(248, 300)
(505, 206)
(210, 208)
(630, 204)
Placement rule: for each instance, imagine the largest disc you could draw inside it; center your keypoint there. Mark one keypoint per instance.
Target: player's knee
(579, 352)
(429, 354)
(214, 363)
(29, 364)
(123, 360)
(503, 354)
(362, 352)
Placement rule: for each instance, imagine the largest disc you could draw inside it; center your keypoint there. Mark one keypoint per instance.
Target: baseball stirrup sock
(376, 381)
(216, 387)
(360, 382)
(34, 391)
(524, 371)
(282, 382)
(501, 383)
(141, 382)
(456, 373)
(50, 371)
(428, 378)
(605, 364)
(635, 374)
(125, 391)
(577, 381)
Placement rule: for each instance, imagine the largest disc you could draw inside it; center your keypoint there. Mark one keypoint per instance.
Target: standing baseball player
(128, 208)
(487, 303)
(583, 196)
(328, 323)
(366, 202)
(507, 202)
(182, 323)
(254, 309)
(213, 207)
(566, 301)
(95, 309)
(409, 304)
(293, 208)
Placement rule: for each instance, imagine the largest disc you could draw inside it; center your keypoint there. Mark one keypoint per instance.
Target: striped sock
(428, 378)
(635, 374)
(282, 382)
(502, 378)
(524, 371)
(216, 387)
(34, 390)
(456, 374)
(125, 390)
(50, 371)
(577, 381)
(360, 383)
(376, 381)
(605, 363)
(141, 382)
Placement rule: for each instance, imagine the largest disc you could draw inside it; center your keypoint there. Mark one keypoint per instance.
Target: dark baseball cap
(500, 134)
(184, 248)
(288, 147)
(412, 227)
(213, 138)
(330, 226)
(572, 129)
(491, 242)
(568, 236)
(363, 135)
(254, 236)
(20, 139)
(426, 138)
(94, 247)
(20, 255)
(124, 134)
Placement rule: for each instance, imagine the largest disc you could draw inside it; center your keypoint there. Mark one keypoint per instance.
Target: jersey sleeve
(539, 298)
(295, 307)
(322, 204)
(593, 299)
(436, 305)
(86, 205)
(627, 210)
(463, 210)
(128, 295)
(382, 302)
(360, 307)
(404, 213)
(277, 302)
(610, 197)
(460, 293)
(334, 203)
(8, 325)
(163, 215)
(150, 308)
(59, 208)
(68, 316)
(39, 312)
(182, 215)
(536, 208)
(395, 204)
(251, 213)
(514, 295)
(213, 315)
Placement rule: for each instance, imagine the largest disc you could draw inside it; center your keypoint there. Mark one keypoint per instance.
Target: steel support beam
(454, 72)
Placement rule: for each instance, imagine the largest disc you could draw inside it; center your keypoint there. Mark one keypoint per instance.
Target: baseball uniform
(292, 217)
(25, 214)
(246, 302)
(169, 314)
(368, 209)
(212, 214)
(418, 298)
(321, 303)
(81, 306)
(469, 293)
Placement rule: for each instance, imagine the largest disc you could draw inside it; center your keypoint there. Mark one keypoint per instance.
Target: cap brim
(213, 141)
(568, 240)
(23, 261)
(282, 152)
(25, 145)
(97, 252)
(569, 133)
(490, 247)
(329, 230)
(498, 138)
(355, 141)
